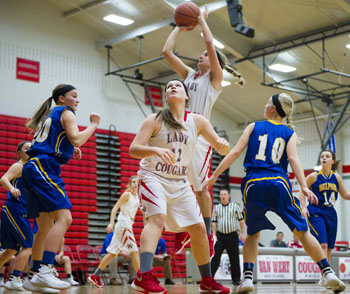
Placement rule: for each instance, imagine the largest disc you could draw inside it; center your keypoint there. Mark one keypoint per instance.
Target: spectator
(122, 258)
(161, 258)
(278, 242)
(295, 243)
(227, 221)
(61, 259)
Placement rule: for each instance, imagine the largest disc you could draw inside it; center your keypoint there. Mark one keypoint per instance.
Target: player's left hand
(210, 182)
(77, 153)
(222, 146)
(204, 14)
(310, 195)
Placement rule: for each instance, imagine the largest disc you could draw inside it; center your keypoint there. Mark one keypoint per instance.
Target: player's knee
(324, 246)
(158, 220)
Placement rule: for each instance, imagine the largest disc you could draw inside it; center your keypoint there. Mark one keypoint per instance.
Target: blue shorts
(15, 227)
(270, 191)
(323, 223)
(43, 185)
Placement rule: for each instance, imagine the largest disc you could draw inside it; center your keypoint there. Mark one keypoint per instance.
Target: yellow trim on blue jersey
(58, 140)
(310, 225)
(13, 220)
(47, 176)
(274, 123)
(261, 179)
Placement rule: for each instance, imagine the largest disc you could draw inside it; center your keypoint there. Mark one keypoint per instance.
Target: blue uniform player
(322, 218)
(15, 227)
(57, 138)
(271, 146)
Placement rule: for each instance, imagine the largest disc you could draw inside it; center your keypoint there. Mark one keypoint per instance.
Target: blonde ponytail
(39, 115)
(223, 63)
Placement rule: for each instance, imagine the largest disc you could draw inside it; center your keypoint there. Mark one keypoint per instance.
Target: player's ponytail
(287, 105)
(44, 109)
(165, 115)
(223, 63)
(336, 164)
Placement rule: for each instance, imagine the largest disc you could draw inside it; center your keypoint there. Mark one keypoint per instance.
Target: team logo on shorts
(129, 246)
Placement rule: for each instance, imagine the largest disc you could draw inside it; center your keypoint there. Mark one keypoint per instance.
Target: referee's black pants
(230, 243)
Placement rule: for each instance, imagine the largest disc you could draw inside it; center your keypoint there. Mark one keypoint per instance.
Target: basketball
(186, 14)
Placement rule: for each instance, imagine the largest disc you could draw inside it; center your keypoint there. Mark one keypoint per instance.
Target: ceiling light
(282, 67)
(217, 43)
(118, 19)
(225, 83)
(347, 46)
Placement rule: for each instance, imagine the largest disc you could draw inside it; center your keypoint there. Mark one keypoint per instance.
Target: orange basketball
(186, 14)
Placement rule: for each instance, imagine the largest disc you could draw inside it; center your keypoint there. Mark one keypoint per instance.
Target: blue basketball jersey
(326, 189)
(267, 147)
(51, 138)
(18, 184)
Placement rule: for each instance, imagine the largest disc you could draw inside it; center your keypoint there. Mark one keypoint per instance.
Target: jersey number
(331, 199)
(43, 133)
(276, 152)
(179, 151)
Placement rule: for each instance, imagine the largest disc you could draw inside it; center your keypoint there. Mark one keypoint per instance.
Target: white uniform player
(164, 188)
(203, 96)
(123, 237)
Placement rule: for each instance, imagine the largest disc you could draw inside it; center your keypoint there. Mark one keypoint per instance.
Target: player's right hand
(109, 228)
(210, 182)
(185, 28)
(95, 118)
(166, 155)
(15, 192)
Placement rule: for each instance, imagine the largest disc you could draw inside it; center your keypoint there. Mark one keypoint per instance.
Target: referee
(227, 220)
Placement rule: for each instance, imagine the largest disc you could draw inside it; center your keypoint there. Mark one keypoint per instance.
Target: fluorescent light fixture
(282, 67)
(118, 19)
(347, 46)
(217, 43)
(225, 83)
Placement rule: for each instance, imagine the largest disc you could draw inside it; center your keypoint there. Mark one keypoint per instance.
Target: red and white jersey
(202, 94)
(128, 210)
(181, 142)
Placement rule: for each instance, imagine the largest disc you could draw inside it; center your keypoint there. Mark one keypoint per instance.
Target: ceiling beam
(87, 6)
(151, 27)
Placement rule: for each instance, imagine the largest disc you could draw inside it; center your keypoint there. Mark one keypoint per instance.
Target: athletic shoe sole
(245, 289)
(336, 285)
(141, 290)
(40, 284)
(29, 287)
(94, 283)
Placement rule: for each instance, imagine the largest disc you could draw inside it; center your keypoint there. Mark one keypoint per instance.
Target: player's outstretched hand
(204, 14)
(185, 28)
(95, 118)
(211, 181)
(305, 212)
(166, 155)
(222, 146)
(109, 228)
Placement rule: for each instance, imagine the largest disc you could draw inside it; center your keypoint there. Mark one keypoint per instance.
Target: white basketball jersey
(129, 209)
(202, 94)
(181, 142)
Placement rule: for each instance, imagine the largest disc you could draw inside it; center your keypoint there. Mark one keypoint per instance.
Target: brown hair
(165, 115)
(223, 63)
(336, 163)
(19, 148)
(44, 110)
(130, 180)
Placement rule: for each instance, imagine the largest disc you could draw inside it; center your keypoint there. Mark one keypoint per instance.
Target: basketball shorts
(200, 164)
(123, 239)
(323, 223)
(16, 231)
(172, 198)
(43, 185)
(270, 191)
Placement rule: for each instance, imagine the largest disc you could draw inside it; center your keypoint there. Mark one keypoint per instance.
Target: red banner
(28, 70)
(156, 96)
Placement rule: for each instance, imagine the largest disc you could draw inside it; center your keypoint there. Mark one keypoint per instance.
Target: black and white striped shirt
(227, 217)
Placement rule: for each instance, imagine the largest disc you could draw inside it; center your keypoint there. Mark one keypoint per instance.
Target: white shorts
(200, 164)
(123, 239)
(173, 198)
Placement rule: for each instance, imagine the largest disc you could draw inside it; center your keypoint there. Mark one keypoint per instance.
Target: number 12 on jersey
(277, 149)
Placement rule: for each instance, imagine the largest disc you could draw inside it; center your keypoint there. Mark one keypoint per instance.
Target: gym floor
(180, 288)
